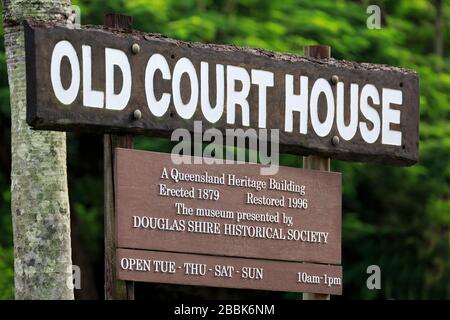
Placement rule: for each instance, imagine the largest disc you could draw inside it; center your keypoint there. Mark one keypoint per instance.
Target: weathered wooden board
(148, 217)
(240, 273)
(45, 110)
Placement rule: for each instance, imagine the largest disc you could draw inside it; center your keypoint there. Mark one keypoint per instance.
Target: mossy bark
(39, 203)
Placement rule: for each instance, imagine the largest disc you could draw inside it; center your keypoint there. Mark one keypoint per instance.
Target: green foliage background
(397, 218)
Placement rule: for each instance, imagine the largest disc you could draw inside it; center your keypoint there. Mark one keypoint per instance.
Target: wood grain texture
(45, 111)
(138, 175)
(314, 162)
(114, 289)
(276, 275)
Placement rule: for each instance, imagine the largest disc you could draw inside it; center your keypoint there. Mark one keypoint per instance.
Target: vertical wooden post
(114, 289)
(316, 162)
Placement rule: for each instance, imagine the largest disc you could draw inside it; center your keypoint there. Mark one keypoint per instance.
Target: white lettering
(237, 97)
(389, 136)
(297, 103)
(371, 114)
(186, 111)
(156, 62)
(65, 49)
(321, 128)
(91, 98)
(113, 58)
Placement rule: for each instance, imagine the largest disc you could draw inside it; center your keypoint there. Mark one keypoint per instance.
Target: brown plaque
(376, 118)
(227, 209)
(240, 273)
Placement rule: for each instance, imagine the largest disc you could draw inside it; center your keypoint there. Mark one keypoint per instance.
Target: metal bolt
(335, 140)
(135, 48)
(334, 79)
(137, 114)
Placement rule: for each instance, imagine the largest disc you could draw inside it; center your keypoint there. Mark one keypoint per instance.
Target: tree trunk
(39, 203)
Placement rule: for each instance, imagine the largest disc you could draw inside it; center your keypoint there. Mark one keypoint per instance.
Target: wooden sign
(226, 209)
(108, 80)
(213, 271)
(199, 224)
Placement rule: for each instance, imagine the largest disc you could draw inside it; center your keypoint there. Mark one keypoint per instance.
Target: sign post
(114, 289)
(317, 162)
